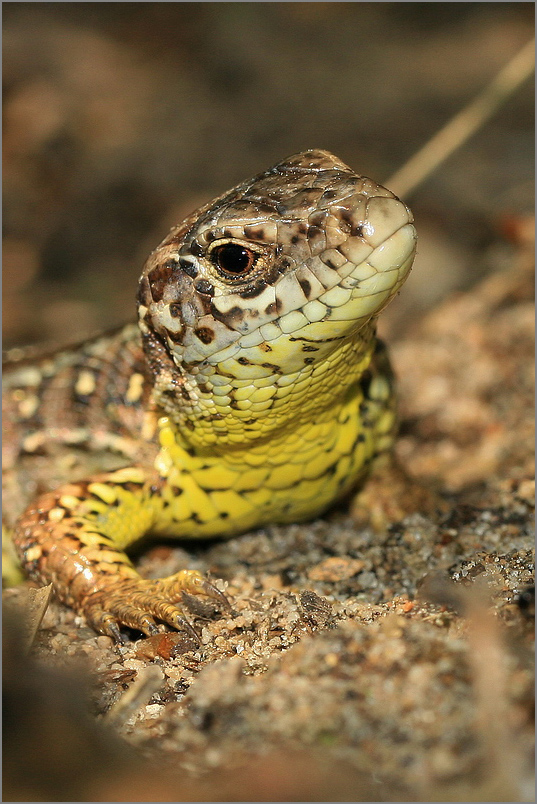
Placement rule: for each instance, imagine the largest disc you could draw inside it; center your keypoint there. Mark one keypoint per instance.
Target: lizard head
(272, 278)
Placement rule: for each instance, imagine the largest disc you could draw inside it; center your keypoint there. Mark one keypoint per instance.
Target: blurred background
(120, 118)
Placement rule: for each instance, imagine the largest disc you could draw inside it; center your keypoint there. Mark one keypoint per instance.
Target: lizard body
(252, 391)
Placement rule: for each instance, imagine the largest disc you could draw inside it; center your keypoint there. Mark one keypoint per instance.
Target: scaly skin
(254, 390)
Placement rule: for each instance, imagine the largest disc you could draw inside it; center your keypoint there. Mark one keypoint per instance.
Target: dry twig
(465, 123)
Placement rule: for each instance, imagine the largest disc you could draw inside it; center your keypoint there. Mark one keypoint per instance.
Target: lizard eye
(232, 259)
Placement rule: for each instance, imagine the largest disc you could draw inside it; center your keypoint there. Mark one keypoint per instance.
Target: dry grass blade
(510, 776)
(461, 127)
(27, 611)
(148, 681)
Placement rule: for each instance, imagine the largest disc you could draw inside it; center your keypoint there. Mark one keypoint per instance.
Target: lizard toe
(193, 582)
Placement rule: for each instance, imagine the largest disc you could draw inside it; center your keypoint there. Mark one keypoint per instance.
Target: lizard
(252, 389)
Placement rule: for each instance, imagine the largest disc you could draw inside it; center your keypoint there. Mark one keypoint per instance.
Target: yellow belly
(293, 475)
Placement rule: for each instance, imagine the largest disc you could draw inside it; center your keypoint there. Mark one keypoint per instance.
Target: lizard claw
(138, 603)
(194, 583)
(199, 585)
(111, 628)
(215, 594)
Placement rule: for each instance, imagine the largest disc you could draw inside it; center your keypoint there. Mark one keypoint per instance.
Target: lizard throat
(219, 411)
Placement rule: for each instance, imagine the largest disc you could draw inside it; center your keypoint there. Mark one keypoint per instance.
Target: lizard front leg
(75, 537)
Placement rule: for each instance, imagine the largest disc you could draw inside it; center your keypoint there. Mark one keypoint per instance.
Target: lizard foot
(139, 603)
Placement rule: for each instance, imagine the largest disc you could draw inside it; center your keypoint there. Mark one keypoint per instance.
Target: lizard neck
(217, 413)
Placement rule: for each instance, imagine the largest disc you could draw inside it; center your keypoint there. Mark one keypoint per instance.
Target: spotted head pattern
(262, 304)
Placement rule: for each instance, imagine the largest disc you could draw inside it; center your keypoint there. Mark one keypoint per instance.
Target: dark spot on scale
(224, 514)
(271, 309)
(253, 291)
(205, 334)
(196, 249)
(307, 348)
(265, 208)
(330, 264)
(205, 287)
(365, 383)
(254, 232)
(176, 337)
(143, 291)
(175, 309)
(272, 367)
(314, 231)
(309, 360)
(271, 275)
(189, 268)
(306, 287)
(234, 313)
(244, 361)
(206, 303)
(185, 394)
(189, 425)
(329, 194)
(222, 317)
(159, 277)
(302, 228)
(295, 239)
(317, 218)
